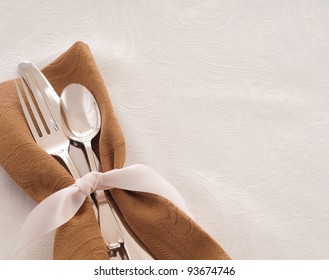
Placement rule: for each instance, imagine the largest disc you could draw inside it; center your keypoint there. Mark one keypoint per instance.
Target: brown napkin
(162, 228)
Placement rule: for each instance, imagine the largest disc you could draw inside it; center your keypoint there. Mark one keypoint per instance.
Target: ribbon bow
(62, 205)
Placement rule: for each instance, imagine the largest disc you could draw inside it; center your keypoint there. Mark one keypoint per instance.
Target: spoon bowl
(80, 113)
(81, 117)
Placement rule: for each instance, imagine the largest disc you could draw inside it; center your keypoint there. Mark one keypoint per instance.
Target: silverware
(81, 122)
(40, 86)
(48, 98)
(49, 101)
(48, 133)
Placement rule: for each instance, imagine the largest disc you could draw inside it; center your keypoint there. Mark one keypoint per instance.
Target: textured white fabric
(228, 100)
(62, 205)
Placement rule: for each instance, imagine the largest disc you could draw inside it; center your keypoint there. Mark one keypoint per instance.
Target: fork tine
(44, 110)
(26, 113)
(34, 109)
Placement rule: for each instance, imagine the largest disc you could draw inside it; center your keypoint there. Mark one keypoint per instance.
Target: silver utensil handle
(64, 155)
(109, 225)
(115, 245)
(90, 156)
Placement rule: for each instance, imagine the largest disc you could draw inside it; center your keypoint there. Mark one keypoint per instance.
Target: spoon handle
(90, 156)
(108, 222)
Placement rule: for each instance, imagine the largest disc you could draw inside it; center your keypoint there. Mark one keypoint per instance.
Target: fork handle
(64, 155)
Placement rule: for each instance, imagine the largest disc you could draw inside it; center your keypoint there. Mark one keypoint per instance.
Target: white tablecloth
(226, 99)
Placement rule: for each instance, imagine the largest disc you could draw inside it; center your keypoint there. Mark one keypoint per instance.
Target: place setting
(68, 154)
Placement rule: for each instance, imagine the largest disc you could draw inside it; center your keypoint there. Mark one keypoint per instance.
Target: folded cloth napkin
(166, 231)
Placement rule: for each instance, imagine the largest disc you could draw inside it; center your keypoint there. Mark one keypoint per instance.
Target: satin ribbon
(62, 205)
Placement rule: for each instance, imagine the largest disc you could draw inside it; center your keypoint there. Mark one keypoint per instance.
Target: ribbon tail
(140, 177)
(48, 215)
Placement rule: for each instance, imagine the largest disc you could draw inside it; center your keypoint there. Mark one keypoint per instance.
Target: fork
(51, 137)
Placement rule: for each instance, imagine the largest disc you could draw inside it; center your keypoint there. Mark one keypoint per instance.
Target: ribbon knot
(89, 182)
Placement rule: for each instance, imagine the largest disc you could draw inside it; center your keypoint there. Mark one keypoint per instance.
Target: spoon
(81, 122)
